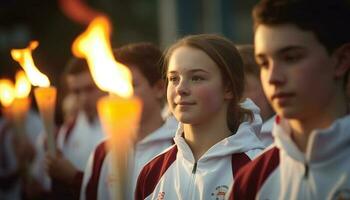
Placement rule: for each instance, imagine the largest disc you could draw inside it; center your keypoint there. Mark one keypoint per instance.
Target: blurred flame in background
(7, 92)
(22, 86)
(94, 45)
(25, 59)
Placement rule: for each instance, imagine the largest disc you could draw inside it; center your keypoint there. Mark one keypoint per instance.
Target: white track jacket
(175, 174)
(284, 172)
(98, 178)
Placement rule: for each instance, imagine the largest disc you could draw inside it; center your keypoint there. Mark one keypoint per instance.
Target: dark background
(133, 20)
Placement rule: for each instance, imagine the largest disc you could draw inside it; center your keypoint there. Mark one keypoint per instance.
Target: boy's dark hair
(250, 66)
(327, 19)
(146, 57)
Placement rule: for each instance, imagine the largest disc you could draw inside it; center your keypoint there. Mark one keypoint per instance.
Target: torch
(7, 95)
(15, 104)
(120, 111)
(15, 101)
(21, 103)
(45, 95)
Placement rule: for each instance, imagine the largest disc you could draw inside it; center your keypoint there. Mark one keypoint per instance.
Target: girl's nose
(182, 88)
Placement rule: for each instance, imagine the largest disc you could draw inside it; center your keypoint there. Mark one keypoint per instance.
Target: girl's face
(195, 90)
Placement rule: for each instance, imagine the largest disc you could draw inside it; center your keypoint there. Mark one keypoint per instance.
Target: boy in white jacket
(154, 134)
(303, 49)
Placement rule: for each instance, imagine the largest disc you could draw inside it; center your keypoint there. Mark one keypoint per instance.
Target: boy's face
(253, 90)
(150, 95)
(297, 72)
(87, 93)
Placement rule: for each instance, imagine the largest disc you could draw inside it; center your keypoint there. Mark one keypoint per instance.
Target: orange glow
(22, 86)
(120, 120)
(94, 45)
(7, 92)
(25, 59)
(120, 116)
(78, 10)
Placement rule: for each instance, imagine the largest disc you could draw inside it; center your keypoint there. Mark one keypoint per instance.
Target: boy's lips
(282, 97)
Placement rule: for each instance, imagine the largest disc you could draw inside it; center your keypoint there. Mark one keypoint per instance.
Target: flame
(22, 86)
(25, 59)
(7, 92)
(94, 45)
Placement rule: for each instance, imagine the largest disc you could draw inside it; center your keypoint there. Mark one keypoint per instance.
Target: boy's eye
(292, 56)
(263, 63)
(173, 78)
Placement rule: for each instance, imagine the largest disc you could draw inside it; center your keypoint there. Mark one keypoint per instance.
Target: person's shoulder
(153, 171)
(161, 162)
(252, 176)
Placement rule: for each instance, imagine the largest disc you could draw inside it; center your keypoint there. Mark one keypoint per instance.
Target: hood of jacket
(243, 140)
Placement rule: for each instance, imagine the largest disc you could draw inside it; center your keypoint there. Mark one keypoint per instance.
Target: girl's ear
(228, 94)
(343, 60)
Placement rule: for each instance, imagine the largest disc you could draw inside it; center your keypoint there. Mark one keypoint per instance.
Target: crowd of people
(268, 120)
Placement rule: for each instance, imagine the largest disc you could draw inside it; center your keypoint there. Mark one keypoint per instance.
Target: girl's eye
(197, 78)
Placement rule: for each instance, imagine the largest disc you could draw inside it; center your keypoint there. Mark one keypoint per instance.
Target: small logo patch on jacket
(219, 193)
(161, 195)
(342, 194)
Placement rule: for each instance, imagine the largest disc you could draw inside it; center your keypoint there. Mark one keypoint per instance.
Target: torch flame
(94, 45)
(22, 85)
(7, 92)
(25, 59)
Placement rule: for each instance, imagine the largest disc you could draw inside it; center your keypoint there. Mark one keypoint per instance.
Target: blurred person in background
(70, 108)
(79, 136)
(254, 90)
(18, 180)
(155, 133)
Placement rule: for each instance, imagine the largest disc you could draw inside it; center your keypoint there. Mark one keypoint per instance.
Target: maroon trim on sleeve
(153, 172)
(69, 129)
(238, 160)
(251, 177)
(77, 182)
(99, 157)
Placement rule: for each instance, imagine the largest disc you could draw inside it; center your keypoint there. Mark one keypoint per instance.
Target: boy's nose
(276, 75)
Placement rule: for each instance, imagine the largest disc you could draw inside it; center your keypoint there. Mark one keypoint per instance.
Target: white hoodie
(284, 172)
(144, 151)
(175, 174)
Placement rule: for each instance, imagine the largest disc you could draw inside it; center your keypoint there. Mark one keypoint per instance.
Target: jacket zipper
(194, 168)
(193, 177)
(306, 174)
